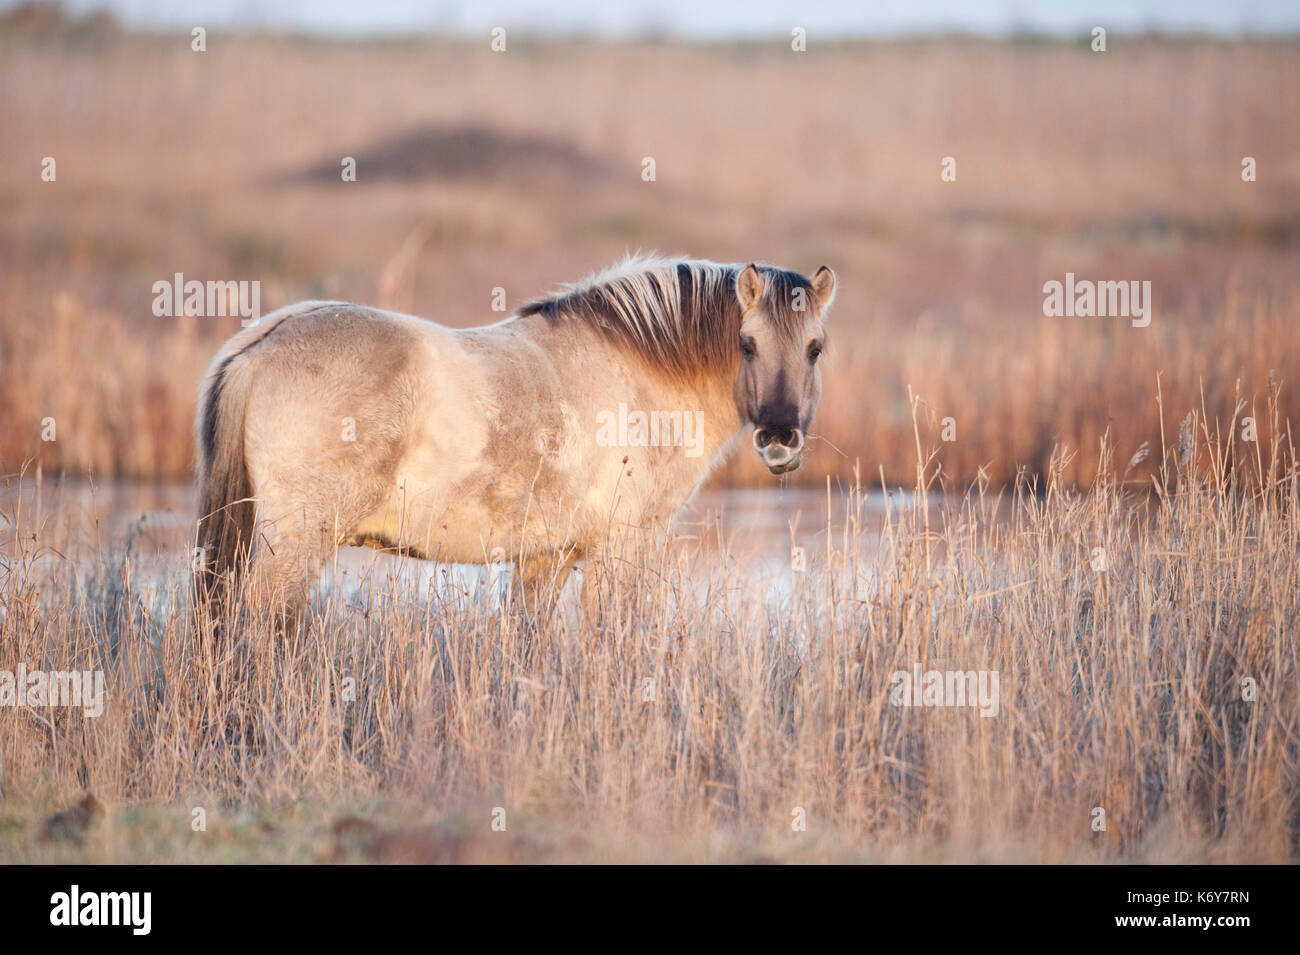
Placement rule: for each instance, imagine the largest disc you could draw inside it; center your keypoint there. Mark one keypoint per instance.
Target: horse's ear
(749, 286)
(823, 284)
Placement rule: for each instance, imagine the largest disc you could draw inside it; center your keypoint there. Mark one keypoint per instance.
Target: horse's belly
(476, 524)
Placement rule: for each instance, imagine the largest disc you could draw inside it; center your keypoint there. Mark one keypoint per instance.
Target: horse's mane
(679, 314)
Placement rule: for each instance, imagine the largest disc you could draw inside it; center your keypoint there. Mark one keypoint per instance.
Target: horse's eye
(747, 348)
(814, 353)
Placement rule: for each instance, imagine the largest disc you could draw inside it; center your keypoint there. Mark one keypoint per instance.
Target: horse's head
(781, 338)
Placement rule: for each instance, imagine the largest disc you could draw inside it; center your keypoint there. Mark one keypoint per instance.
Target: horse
(591, 413)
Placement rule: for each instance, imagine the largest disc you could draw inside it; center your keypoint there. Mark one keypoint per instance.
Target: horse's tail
(226, 509)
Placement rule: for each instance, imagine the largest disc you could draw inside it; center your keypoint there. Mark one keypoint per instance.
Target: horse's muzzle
(780, 448)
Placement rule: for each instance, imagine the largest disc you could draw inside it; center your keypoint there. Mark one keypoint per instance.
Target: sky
(702, 19)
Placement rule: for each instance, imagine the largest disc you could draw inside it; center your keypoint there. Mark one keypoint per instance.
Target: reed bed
(706, 713)
(522, 170)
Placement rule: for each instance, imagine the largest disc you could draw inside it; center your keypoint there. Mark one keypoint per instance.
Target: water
(755, 533)
(720, 20)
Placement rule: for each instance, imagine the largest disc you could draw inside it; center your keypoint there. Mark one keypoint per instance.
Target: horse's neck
(714, 396)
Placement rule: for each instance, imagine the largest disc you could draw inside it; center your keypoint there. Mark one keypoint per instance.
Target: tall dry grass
(401, 719)
(521, 170)
(1121, 688)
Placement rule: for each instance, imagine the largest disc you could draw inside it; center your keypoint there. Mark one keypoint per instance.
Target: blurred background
(521, 169)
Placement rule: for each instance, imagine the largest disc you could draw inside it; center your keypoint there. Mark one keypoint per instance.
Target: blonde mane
(681, 315)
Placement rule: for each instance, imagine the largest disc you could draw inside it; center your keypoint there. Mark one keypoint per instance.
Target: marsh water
(753, 533)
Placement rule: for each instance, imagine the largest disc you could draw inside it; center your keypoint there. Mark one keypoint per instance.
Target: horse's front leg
(619, 574)
(609, 572)
(595, 581)
(541, 575)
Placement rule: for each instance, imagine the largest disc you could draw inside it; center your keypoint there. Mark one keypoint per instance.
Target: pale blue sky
(710, 20)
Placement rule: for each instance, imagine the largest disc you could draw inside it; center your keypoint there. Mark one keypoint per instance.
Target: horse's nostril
(780, 437)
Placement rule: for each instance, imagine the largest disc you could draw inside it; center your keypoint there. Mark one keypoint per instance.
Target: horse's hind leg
(291, 550)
